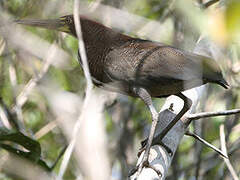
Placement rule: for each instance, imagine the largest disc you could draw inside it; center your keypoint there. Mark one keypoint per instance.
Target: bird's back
(161, 69)
(119, 62)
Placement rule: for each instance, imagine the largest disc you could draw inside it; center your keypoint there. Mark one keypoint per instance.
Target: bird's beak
(55, 24)
(223, 83)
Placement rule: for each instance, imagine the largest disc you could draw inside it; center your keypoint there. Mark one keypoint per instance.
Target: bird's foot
(157, 140)
(144, 164)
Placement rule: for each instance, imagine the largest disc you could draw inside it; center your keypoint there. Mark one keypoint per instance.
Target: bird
(137, 67)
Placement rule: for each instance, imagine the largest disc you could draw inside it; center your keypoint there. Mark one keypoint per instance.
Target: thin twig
(94, 5)
(19, 115)
(197, 116)
(211, 157)
(58, 158)
(82, 46)
(44, 130)
(207, 144)
(224, 149)
(198, 129)
(3, 119)
(4, 116)
(22, 97)
(89, 87)
(17, 110)
(9, 115)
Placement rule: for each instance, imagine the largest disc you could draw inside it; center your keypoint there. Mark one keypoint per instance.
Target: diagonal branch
(206, 143)
(23, 96)
(82, 52)
(32, 83)
(224, 149)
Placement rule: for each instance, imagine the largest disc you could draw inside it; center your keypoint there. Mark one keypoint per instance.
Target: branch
(86, 104)
(7, 116)
(45, 129)
(32, 83)
(158, 157)
(197, 116)
(81, 48)
(206, 143)
(126, 22)
(23, 96)
(224, 149)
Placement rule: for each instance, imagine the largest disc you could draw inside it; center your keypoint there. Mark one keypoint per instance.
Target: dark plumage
(137, 67)
(118, 61)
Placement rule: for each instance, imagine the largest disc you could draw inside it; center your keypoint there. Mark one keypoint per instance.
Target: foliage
(33, 131)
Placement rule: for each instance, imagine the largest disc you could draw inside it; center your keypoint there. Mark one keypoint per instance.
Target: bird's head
(63, 24)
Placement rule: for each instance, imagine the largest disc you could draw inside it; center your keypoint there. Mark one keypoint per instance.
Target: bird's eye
(69, 20)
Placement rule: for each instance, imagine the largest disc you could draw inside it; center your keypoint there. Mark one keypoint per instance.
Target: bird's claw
(145, 162)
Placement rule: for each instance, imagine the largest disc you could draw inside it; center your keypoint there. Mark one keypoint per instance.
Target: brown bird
(138, 68)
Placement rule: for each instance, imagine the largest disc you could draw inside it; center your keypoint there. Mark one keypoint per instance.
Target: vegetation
(42, 90)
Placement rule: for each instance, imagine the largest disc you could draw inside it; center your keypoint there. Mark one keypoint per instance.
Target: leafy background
(126, 119)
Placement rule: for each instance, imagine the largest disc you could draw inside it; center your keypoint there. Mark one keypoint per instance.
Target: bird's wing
(146, 62)
(171, 63)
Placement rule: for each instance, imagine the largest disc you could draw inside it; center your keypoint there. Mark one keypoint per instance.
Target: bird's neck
(96, 34)
(99, 40)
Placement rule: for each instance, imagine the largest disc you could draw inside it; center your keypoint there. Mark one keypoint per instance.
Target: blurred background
(42, 89)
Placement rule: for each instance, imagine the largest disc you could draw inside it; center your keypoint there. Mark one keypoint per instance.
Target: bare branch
(22, 97)
(206, 143)
(8, 116)
(4, 122)
(81, 46)
(44, 130)
(211, 114)
(89, 87)
(224, 149)
(59, 157)
(126, 21)
(17, 110)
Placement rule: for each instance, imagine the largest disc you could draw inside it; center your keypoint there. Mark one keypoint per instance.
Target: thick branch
(206, 143)
(159, 158)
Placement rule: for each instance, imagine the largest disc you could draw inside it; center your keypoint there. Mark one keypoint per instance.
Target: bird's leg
(159, 137)
(145, 96)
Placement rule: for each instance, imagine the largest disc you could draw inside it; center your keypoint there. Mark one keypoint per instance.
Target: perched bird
(138, 68)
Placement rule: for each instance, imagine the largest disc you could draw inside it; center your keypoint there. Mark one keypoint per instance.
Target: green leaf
(17, 137)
